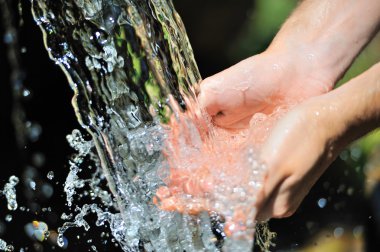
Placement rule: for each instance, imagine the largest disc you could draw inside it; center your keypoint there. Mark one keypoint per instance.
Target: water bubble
(25, 92)
(8, 37)
(8, 218)
(344, 155)
(50, 175)
(322, 202)
(10, 192)
(338, 232)
(32, 185)
(350, 191)
(29, 230)
(39, 235)
(47, 190)
(9, 248)
(5, 247)
(34, 131)
(355, 153)
(3, 244)
(358, 231)
(38, 159)
(276, 67)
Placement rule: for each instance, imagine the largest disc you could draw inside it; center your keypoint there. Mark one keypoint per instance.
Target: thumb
(209, 95)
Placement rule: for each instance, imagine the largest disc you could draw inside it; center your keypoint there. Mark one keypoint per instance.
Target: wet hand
(214, 173)
(299, 149)
(306, 140)
(258, 85)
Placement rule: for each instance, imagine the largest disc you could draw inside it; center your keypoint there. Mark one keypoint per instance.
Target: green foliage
(262, 24)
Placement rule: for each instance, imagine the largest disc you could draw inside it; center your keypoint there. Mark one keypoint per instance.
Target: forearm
(328, 34)
(309, 137)
(355, 107)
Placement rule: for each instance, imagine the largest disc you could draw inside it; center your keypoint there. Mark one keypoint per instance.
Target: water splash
(131, 67)
(5, 247)
(50, 175)
(9, 191)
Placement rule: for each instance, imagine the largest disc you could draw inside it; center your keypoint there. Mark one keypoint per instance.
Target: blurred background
(341, 213)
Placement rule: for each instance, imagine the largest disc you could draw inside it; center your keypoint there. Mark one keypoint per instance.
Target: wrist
(308, 64)
(353, 110)
(326, 36)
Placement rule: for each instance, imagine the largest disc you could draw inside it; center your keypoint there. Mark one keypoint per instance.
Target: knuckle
(209, 83)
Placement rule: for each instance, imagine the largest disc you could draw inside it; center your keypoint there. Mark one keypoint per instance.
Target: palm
(259, 84)
(250, 96)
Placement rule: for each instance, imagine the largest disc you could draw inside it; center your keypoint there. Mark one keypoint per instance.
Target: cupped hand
(254, 93)
(308, 139)
(299, 149)
(260, 84)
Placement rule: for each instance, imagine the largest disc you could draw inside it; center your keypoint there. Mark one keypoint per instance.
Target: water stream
(133, 74)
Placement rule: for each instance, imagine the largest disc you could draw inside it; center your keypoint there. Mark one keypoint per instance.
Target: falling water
(131, 67)
(9, 191)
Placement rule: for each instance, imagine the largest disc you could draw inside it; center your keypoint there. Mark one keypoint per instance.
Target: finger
(269, 193)
(283, 200)
(208, 97)
(266, 207)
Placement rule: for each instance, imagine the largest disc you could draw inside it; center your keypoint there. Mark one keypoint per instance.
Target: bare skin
(311, 52)
(305, 142)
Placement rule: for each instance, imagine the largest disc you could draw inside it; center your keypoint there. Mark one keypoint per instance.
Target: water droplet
(50, 175)
(25, 92)
(8, 37)
(10, 192)
(34, 131)
(32, 185)
(358, 232)
(322, 202)
(9, 248)
(8, 218)
(338, 232)
(38, 159)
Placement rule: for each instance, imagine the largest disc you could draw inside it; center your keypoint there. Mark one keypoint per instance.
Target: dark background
(219, 31)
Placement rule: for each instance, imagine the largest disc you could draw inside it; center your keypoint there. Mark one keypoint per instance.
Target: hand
(307, 139)
(299, 149)
(259, 85)
(305, 59)
(263, 86)
(214, 174)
